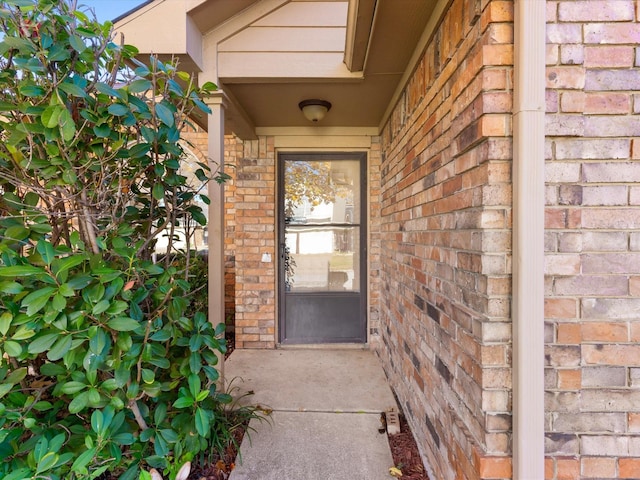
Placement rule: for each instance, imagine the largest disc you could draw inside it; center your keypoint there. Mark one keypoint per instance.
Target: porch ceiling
(381, 36)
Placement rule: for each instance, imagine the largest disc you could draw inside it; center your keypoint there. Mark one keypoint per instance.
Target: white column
(528, 240)
(216, 220)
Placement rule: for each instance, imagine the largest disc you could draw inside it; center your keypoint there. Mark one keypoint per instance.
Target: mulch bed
(406, 456)
(220, 468)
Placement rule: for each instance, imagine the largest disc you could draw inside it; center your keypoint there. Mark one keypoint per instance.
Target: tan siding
(307, 14)
(272, 65)
(286, 39)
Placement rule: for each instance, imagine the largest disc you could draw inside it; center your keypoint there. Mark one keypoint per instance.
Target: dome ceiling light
(314, 110)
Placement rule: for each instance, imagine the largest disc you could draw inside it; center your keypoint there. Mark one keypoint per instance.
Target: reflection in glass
(322, 192)
(323, 258)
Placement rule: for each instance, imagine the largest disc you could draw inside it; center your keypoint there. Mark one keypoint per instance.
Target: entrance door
(322, 241)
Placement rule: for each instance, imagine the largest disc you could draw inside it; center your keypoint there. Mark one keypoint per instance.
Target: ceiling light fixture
(314, 110)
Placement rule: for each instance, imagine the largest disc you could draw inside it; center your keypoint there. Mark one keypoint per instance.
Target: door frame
(362, 157)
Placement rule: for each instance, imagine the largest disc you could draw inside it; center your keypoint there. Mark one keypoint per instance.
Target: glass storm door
(322, 248)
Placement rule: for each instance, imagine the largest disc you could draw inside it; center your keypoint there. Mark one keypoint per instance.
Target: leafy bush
(104, 365)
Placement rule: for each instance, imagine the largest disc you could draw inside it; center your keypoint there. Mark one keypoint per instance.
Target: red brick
(569, 333)
(567, 468)
(569, 379)
(604, 332)
(560, 308)
(629, 468)
(572, 102)
(609, 56)
(612, 33)
(598, 467)
(607, 103)
(623, 355)
(495, 468)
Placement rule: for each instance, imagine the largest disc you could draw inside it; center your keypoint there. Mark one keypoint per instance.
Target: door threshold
(323, 346)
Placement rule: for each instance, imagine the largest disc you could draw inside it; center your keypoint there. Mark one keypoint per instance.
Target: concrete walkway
(326, 414)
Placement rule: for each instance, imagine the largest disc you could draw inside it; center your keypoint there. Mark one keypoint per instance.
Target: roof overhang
(268, 55)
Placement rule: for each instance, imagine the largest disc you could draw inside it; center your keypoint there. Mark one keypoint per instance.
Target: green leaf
(35, 301)
(50, 117)
(160, 413)
(72, 89)
(100, 307)
(47, 462)
(148, 376)
(16, 232)
(77, 44)
(5, 322)
(139, 86)
(209, 87)
(69, 177)
(72, 387)
(79, 402)
(52, 369)
(19, 474)
(67, 125)
(13, 349)
(106, 89)
(23, 333)
(60, 348)
(102, 131)
(32, 91)
(11, 287)
(58, 302)
(123, 324)
(97, 422)
(79, 466)
(183, 402)
(66, 291)
(165, 114)
(203, 425)
(16, 376)
(118, 109)
(158, 191)
(117, 307)
(4, 389)
(46, 251)
(161, 336)
(63, 264)
(42, 343)
(202, 395)
(20, 271)
(194, 384)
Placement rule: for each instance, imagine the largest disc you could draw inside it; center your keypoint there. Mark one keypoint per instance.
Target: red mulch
(406, 456)
(221, 469)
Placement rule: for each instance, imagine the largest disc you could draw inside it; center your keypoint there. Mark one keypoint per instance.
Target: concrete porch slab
(315, 446)
(319, 380)
(326, 414)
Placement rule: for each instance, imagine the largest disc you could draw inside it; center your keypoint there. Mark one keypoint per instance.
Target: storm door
(322, 240)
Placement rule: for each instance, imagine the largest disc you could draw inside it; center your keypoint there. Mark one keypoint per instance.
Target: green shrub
(104, 364)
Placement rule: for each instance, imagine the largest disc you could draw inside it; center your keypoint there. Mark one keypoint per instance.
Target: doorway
(322, 239)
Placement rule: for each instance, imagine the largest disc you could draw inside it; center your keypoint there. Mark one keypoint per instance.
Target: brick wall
(255, 235)
(446, 240)
(374, 251)
(592, 241)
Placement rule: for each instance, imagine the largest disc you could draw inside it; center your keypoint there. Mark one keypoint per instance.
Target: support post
(528, 240)
(216, 221)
